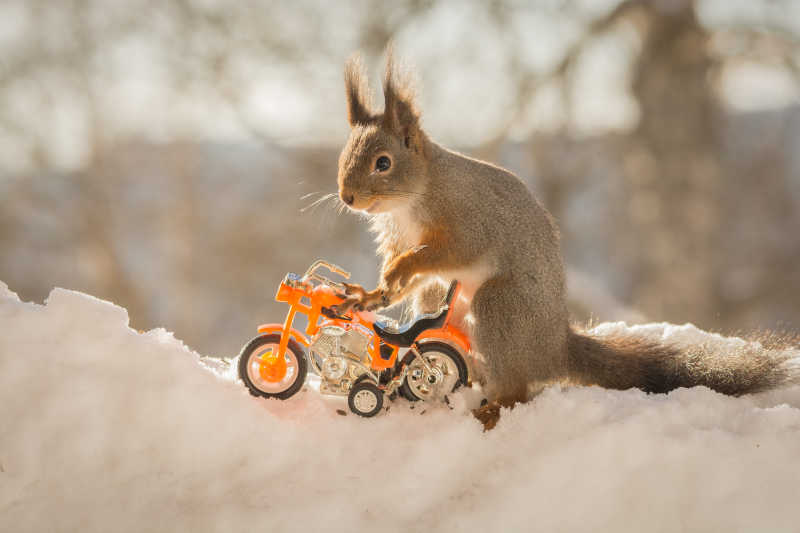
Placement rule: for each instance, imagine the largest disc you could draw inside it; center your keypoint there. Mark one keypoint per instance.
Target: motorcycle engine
(334, 367)
(340, 353)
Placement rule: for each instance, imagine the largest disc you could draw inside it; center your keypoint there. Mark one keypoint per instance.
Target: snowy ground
(106, 429)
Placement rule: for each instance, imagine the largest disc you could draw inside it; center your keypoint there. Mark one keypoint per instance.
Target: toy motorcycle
(356, 354)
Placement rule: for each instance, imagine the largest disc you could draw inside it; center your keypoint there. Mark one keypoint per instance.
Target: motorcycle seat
(405, 335)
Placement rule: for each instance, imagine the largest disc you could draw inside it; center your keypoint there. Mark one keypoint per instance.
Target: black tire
(251, 349)
(406, 393)
(365, 390)
(441, 348)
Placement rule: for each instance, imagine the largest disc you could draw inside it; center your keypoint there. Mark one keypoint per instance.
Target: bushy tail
(623, 360)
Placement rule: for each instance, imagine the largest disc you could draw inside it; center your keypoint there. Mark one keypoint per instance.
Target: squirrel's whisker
(309, 195)
(318, 201)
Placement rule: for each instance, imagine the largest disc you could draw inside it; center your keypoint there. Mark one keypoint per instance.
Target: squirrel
(440, 215)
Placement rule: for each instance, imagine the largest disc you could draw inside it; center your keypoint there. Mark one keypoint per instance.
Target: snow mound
(103, 428)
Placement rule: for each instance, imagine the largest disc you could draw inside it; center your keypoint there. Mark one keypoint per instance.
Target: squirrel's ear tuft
(400, 114)
(359, 98)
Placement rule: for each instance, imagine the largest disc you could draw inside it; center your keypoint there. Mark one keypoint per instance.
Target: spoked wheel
(447, 372)
(268, 375)
(365, 399)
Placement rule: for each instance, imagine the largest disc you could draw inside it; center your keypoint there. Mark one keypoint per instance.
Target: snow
(103, 428)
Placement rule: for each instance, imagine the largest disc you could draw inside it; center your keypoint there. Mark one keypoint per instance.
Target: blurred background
(160, 153)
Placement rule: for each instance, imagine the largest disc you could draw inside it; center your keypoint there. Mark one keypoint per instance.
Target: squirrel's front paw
(396, 279)
(353, 289)
(350, 302)
(374, 300)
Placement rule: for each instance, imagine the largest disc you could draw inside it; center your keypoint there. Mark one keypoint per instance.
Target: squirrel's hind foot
(487, 414)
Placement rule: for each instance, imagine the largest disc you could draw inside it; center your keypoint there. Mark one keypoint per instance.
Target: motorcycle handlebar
(312, 271)
(339, 270)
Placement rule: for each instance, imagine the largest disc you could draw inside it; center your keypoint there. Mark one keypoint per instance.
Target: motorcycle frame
(296, 291)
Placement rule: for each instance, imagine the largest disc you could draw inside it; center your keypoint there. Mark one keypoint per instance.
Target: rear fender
(449, 335)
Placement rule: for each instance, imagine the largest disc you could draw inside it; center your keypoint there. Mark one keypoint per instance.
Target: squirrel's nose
(348, 199)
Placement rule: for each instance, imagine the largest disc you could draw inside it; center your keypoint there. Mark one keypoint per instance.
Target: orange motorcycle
(356, 354)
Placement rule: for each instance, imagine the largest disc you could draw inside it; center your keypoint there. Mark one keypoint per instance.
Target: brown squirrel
(440, 215)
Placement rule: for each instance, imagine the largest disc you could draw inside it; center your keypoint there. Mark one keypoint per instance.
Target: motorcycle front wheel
(266, 374)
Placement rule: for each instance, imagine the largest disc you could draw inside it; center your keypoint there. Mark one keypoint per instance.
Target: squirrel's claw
(351, 302)
(357, 299)
(353, 289)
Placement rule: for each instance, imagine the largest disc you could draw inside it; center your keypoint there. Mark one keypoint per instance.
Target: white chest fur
(408, 231)
(401, 226)
(471, 277)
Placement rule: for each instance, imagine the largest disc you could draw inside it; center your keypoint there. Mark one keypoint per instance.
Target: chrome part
(355, 342)
(330, 266)
(454, 345)
(334, 331)
(336, 341)
(342, 386)
(316, 363)
(311, 273)
(333, 368)
(420, 360)
(365, 400)
(292, 280)
(432, 375)
(340, 356)
(326, 344)
(396, 381)
(325, 387)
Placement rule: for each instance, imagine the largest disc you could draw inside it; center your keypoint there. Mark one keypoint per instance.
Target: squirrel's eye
(383, 163)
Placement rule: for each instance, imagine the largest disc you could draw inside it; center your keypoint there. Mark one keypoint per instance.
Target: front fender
(278, 328)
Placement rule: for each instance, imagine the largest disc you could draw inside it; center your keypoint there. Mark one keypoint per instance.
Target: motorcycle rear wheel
(450, 373)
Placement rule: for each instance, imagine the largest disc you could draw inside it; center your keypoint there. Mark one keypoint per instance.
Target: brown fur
(633, 362)
(359, 97)
(439, 215)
